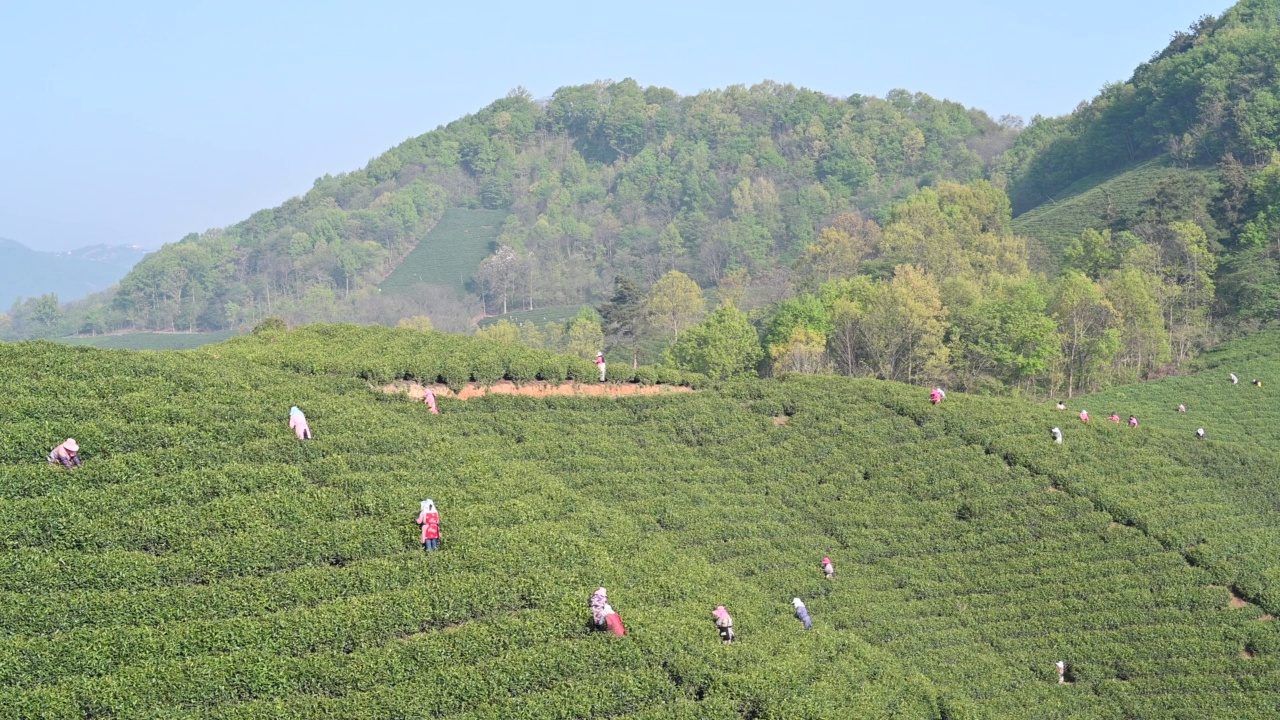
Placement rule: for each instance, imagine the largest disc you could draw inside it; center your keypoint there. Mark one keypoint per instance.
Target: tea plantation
(203, 563)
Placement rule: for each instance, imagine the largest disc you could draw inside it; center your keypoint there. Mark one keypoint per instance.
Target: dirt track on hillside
(533, 389)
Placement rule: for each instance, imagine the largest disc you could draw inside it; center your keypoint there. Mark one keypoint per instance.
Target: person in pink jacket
(828, 569)
(430, 400)
(935, 396)
(67, 453)
(1084, 416)
(429, 519)
(724, 623)
(298, 423)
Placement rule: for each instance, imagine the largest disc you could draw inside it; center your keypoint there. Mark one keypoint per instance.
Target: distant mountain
(70, 275)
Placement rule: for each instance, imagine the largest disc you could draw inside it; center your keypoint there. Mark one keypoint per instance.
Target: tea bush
(203, 563)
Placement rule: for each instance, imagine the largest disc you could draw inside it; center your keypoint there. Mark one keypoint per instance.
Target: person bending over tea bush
(724, 623)
(802, 612)
(298, 423)
(67, 453)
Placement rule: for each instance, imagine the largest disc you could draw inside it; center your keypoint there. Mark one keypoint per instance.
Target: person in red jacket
(429, 519)
(613, 622)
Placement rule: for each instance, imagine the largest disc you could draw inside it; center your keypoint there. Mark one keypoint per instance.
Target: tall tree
(721, 346)
(675, 302)
(623, 317)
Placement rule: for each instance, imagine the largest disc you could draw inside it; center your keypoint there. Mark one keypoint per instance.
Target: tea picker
(802, 612)
(828, 569)
(1234, 380)
(429, 519)
(1133, 421)
(598, 602)
(1115, 417)
(1062, 672)
(1084, 416)
(600, 364)
(937, 396)
(724, 623)
(298, 423)
(430, 400)
(1199, 433)
(1056, 434)
(67, 453)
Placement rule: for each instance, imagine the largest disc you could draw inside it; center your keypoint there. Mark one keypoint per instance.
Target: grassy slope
(450, 253)
(203, 564)
(1084, 204)
(151, 341)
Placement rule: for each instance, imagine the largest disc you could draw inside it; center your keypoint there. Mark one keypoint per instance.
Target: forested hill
(597, 179)
(1211, 97)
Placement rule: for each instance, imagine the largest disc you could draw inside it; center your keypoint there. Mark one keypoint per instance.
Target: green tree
(623, 317)
(1086, 330)
(502, 331)
(417, 322)
(1007, 336)
(675, 302)
(584, 337)
(721, 346)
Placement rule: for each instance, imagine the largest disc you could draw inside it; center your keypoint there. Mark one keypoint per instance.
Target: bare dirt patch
(1246, 654)
(1052, 489)
(781, 420)
(1266, 617)
(1236, 600)
(533, 389)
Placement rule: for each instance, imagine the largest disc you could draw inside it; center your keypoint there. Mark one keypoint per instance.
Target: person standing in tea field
(67, 453)
(1234, 380)
(802, 612)
(430, 400)
(1062, 672)
(1084, 416)
(598, 602)
(600, 364)
(937, 396)
(1056, 434)
(1182, 408)
(1115, 417)
(724, 623)
(828, 569)
(1199, 433)
(1257, 382)
(1061, 405)
(1133, 421)
(429, 519)
(298, 423)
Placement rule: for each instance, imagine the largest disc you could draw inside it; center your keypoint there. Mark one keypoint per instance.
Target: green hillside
(450, 253)
(203, 563)
(1101, 201)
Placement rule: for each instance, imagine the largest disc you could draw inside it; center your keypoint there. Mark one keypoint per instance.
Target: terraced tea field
(450, 253)
(205, 564)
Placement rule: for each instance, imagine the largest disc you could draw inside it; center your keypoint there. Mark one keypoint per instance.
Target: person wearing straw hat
(67, 453)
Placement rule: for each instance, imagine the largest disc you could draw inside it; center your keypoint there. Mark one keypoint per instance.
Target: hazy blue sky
(139, 122)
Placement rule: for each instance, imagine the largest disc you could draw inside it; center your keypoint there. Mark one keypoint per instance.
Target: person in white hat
(600, 364)
(1062, 672)
(68, 453)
